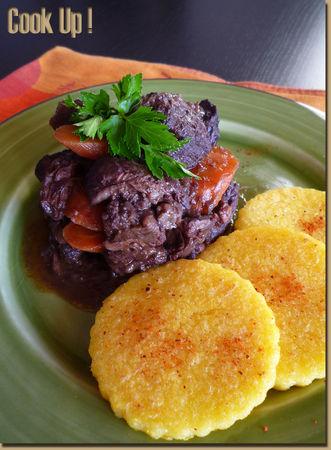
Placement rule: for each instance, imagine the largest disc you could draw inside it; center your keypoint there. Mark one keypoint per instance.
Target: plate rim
(217, 83)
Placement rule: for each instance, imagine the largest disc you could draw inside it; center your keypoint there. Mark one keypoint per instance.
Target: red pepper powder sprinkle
(315, 224)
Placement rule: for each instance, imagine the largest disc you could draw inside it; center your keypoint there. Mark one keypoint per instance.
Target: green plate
(47, 392)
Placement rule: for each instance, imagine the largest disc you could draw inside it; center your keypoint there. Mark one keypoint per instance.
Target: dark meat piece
(198, 121)
(138, 248)
(166, 232)
(120, 214)
(138, 210)
(194, 233)
(149, 221)
(84, 272)
(188, 238)
(169, 214)
(112, 177)
(224, 213)
(57, 174)
(62, 115)
(146, 221)
(210, 117)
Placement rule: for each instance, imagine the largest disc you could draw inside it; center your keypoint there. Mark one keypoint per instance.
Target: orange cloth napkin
(61, 70)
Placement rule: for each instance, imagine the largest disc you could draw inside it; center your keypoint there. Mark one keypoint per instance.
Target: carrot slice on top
(90, 148)
(83, 239)
(216, 171)
(81, 212)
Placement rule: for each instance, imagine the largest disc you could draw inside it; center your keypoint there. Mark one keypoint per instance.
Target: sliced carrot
(90, 148)
(81, 212)
(216, 171)
(83, 239)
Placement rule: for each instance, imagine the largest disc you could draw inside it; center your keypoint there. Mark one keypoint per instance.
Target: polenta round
(297, 208)
(184, 349)
(288, 268)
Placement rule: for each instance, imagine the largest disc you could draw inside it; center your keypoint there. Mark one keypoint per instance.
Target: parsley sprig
(133, 131)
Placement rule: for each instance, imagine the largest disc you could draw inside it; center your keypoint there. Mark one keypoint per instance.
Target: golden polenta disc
(288, 268)
(184, 349)
(293, 207)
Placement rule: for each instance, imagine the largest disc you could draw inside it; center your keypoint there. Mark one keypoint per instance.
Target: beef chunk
(120, 214)
(62, 115)
(138, 248)
(138, 210)
(57, 174)
(197, 121)
(83, 272)
(210, 118)
(169, 214)
(194, 233)
(148, 221)
(112, 177)
(223, 214)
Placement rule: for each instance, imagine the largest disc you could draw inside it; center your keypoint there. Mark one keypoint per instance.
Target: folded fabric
(61, 70)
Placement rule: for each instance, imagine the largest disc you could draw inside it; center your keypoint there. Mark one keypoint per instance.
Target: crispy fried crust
(294, 207)
(288, 268)
(184, 349)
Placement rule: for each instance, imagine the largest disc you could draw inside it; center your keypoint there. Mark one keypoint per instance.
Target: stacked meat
(145, 221)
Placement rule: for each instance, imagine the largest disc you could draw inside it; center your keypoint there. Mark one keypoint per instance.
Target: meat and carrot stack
(139, 184)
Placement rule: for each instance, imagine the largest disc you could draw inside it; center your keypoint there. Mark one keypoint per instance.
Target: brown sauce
(35, 239)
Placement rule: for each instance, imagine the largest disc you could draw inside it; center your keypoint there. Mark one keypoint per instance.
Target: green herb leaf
(128, 92)
(159, 162)
(89, 127)
(115, 136)
(68, 101)
(132, 131)
(94, 104)
(147, 113)
(132, 139)
(146, 123)
(128, 86)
